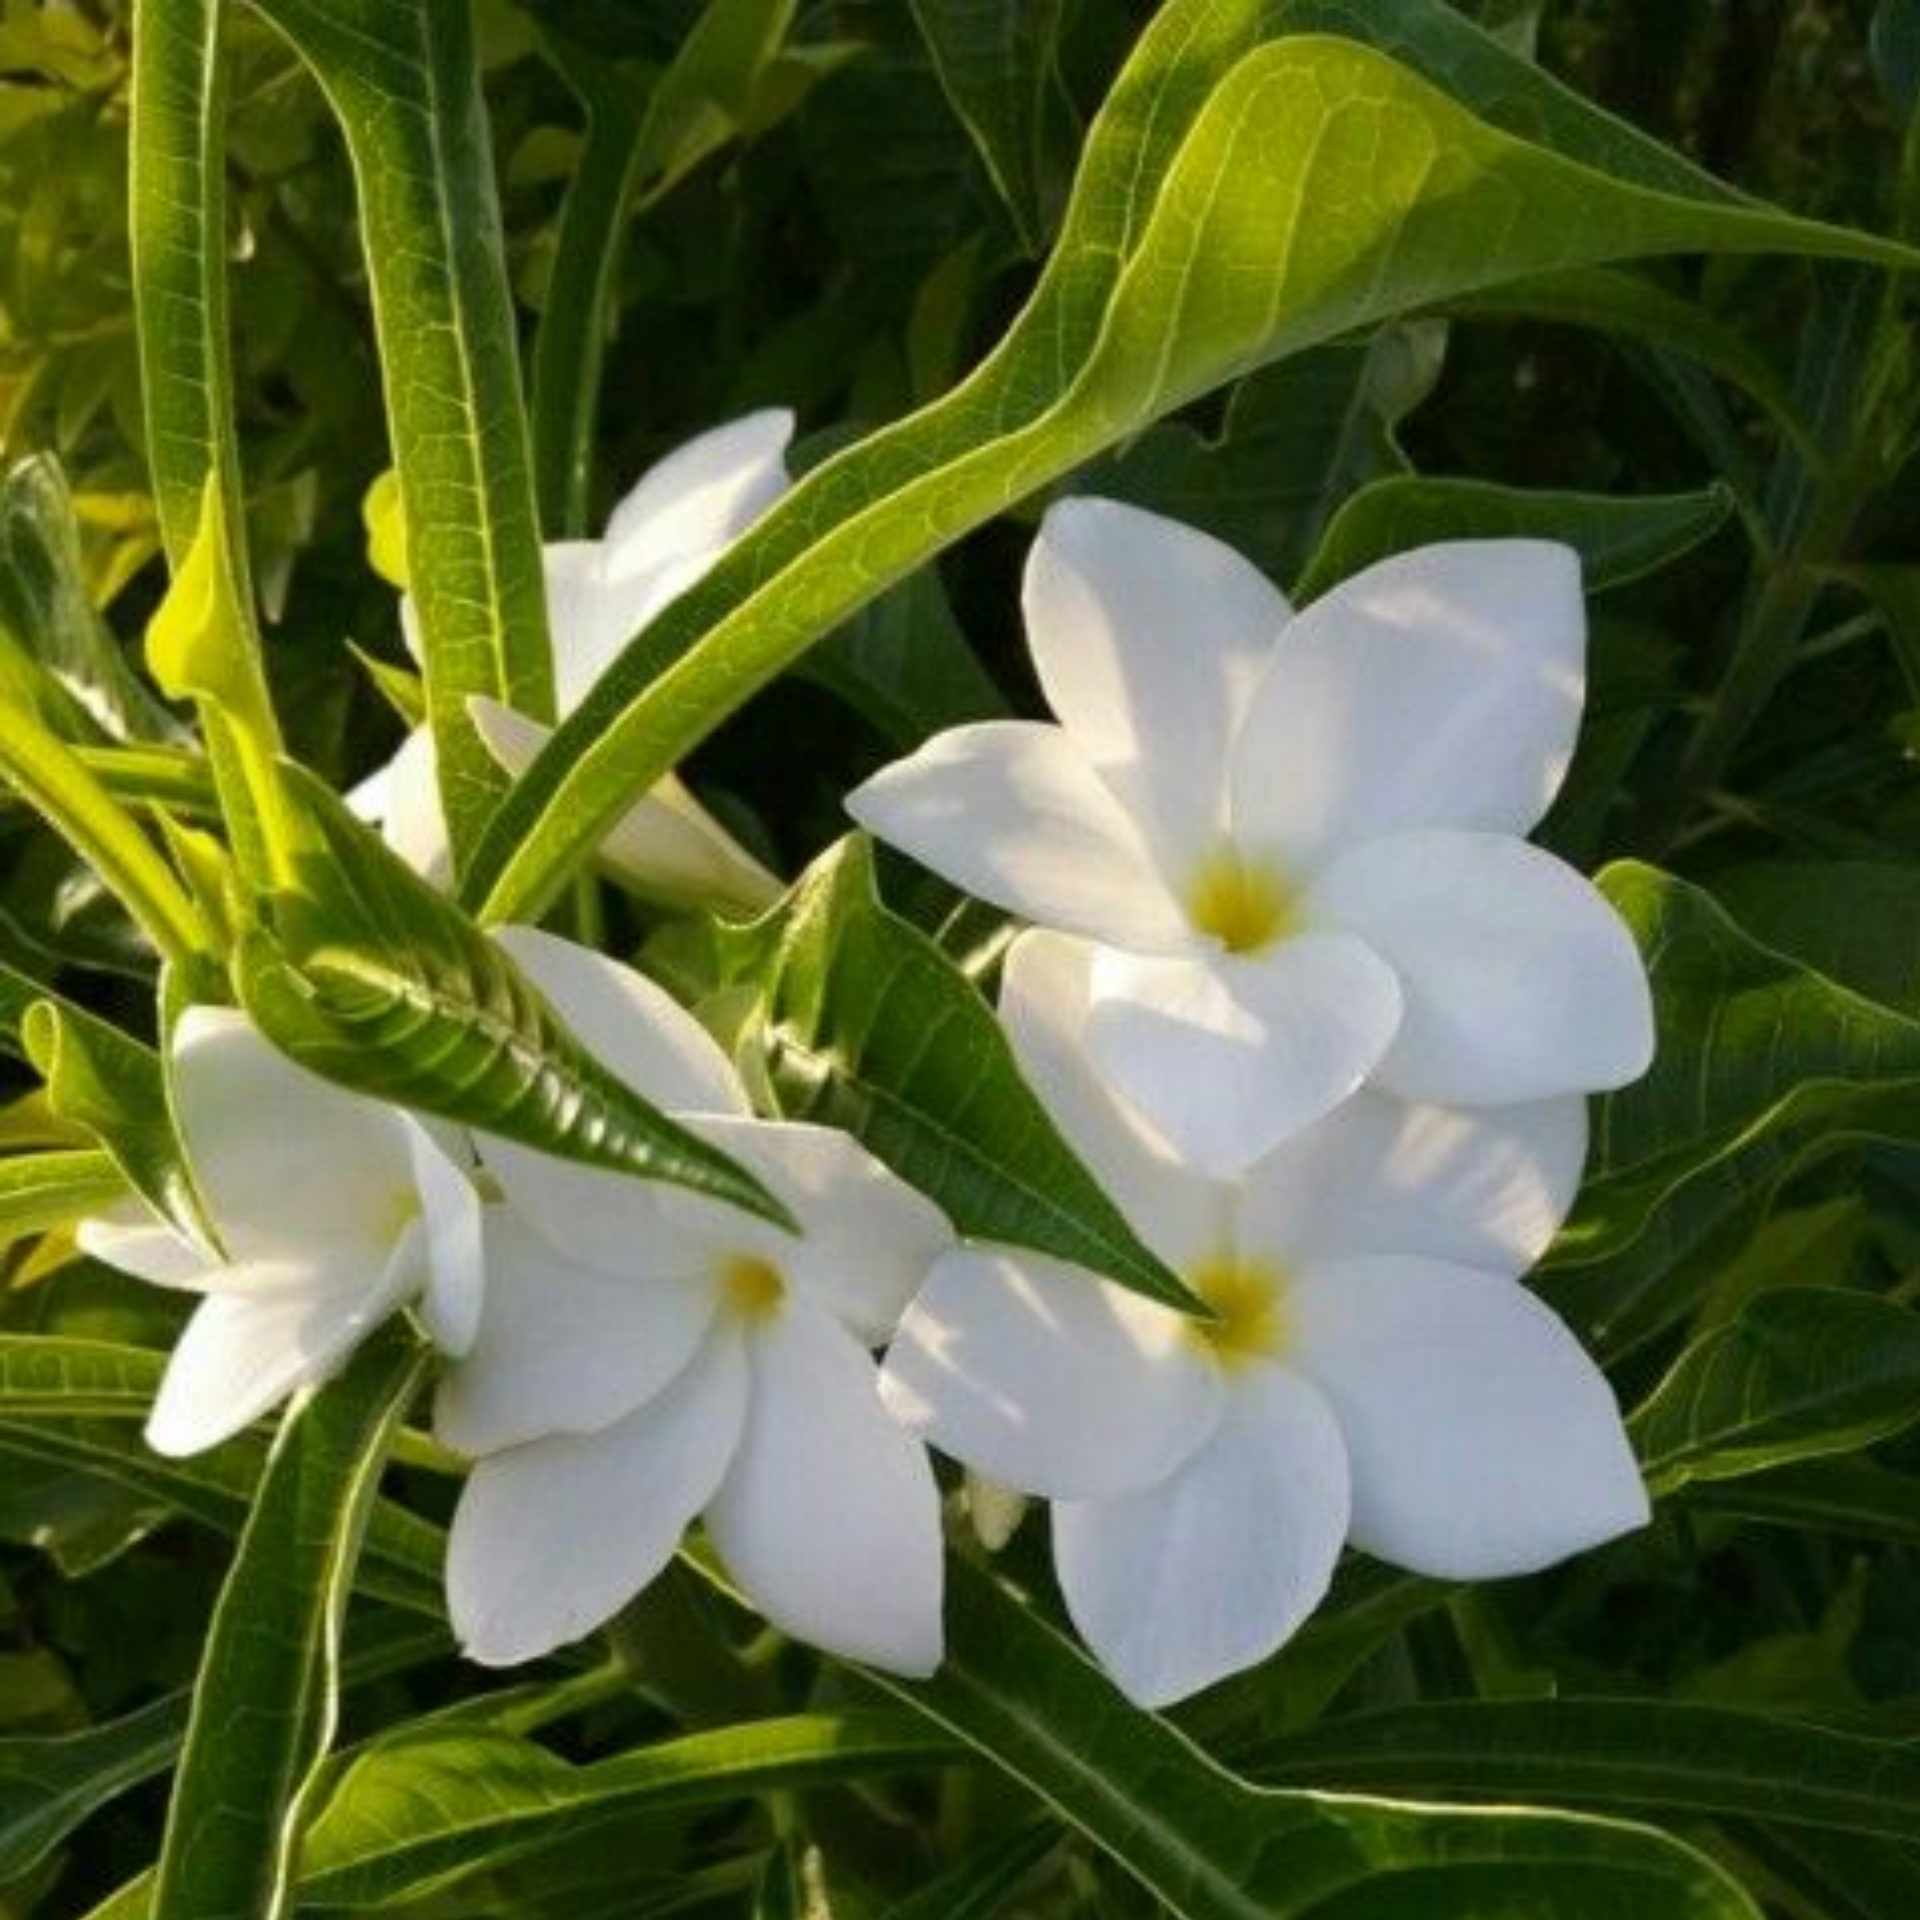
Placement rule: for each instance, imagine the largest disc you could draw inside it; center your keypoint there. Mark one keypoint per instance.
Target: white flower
(333, 1211)
(647, 1356)
(1292, 837)
(1376, 1373)
(677, 521)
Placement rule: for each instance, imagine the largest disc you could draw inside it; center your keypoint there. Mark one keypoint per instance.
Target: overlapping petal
(1010, 810)
(1224, 1055)
(1037, 1374)
(1482, 1440)
(1520, 979)
(829, 1517)
(550, 1540)
(1211, 1570)
(1149, 637)
(1439, 688)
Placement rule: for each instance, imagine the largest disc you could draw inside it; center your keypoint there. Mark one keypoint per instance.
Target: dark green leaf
(1852, 1497)
(870, 1027)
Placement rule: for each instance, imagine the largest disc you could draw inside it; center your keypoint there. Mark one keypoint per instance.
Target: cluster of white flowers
(1295, 988)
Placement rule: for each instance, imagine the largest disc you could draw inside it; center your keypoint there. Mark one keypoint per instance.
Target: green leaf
(420, 1810)
(263, 1706)
(1856, 921)
(1618, 539)
(80, 1403)
(1828, 1496)
(400, 76)
(1212, 1847)
(1296, 439)
(1195, 249)
(996, 67)
(1798, 1372)
(1761, 1067)
(633, 155)
(107, 1082)
(869, 1027)
(1652, 1754)
(41, 1191)
(369, 976)
(49, 1785)
(46, 614)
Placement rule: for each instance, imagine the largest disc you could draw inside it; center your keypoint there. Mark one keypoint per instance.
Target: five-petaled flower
(1375, 1372)
(331, 1210)
(647, 1356)
(669, 530)
(1293, 840)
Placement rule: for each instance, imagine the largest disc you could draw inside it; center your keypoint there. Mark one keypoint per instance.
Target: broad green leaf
(400, 76)
(981, 1886)
(48, 1786)
(1798, 1372)
(41, 1191)
(46, 614)
(419, 1810)
(1655, 1754)
(50, 776)
(366, 974)
(1212, 1847)
(634, 154)
(1618, 539)
(1762, 1066)
(80, 1404)
(1196, 248)
(105, 1081)
(1828, 1496)
(1856, 921)
(1297, 438)
(869, 1027)
(264, 1702)
(996, 67)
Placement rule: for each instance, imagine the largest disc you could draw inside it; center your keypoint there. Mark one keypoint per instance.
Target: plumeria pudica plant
(850, 1079)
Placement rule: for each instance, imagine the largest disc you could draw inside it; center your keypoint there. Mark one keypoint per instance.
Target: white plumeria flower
(333, 1211)
(677, 521)
(647, 1356)
(1293, 838)
(1376, 1373)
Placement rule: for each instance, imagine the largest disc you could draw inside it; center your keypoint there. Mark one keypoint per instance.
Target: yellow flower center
(751, 1288)
(1248, 1295)
(1245, 905)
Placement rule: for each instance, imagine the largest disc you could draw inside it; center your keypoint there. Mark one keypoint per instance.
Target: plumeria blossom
(647, 1356)
(1294, 840)
(681, 516)
(1376, 1372)
(332, 1212)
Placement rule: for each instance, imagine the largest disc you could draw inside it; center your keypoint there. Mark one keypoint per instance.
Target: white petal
(285, 1161)
(1211, 1571)
(634, 1028)
(1045, 999)
(145, 1249)
(451, 1250)
(550, 1540)
(586, 619)
(867, 1239)
(564, 1348)
(829, 1517)
(406, 792)
(1225, 1056)
(693, 504)
(1148, 637)
(1439, 688)
(1520, 979)
(1009, 810)
(245, 1350)
(1485, 1187)
(1043, 1377)
(1483, 1441)
(666, 846)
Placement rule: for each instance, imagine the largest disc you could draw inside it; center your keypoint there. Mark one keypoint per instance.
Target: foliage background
(839, 243)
